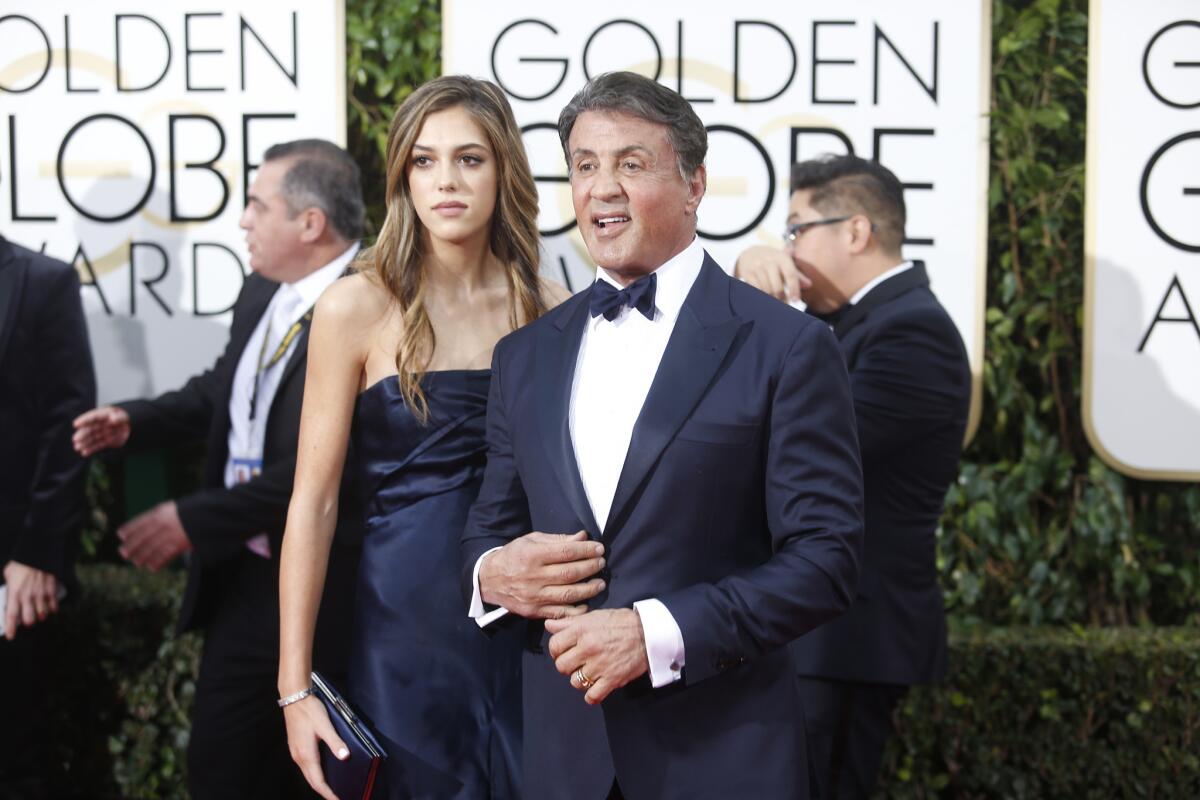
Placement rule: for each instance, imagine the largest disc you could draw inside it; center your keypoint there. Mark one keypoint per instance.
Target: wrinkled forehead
(607, 132)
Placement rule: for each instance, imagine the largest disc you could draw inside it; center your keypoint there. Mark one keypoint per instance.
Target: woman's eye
(421, 161)
(472, 160)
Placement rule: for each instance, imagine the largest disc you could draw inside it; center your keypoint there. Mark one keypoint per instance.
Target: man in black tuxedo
(303, 219)
(912, 388)
(697, 435)
(46, 379)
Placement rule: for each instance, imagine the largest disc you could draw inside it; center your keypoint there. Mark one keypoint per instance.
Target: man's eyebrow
(629, 150)
(253, 198)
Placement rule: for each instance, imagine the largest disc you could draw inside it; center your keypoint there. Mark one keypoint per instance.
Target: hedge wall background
(1037, 531)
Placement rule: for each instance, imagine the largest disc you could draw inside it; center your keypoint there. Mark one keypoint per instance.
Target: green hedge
(1030, 713)
(123, 686)
(1055, 713)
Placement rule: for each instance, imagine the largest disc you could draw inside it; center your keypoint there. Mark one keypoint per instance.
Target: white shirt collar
(674, 281)
(903, 266)
(310, 287)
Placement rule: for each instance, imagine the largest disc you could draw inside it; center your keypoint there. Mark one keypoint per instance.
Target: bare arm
(337, 348)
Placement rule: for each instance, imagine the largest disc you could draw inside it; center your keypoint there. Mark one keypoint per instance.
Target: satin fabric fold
(444, 697)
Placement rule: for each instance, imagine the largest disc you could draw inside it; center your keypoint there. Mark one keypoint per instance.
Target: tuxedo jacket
(912, 391)
(219, 520)
(46, 380)
(738, 506)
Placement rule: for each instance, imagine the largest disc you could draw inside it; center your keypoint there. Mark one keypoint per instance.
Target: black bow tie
(608, 300)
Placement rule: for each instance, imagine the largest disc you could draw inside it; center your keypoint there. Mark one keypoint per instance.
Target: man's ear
(314, 224)
(697, 185)
(861, 233)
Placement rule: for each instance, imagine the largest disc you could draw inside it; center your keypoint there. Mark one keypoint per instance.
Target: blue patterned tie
(608, 300)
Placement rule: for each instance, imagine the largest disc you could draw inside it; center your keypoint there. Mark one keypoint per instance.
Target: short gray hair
(322, 175)
(638, 96)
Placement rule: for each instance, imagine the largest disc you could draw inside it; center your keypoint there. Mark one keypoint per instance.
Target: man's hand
(101, 428)
(32, 596)
(773, 271)
(607, 646)
(154, 538)
(538, 575)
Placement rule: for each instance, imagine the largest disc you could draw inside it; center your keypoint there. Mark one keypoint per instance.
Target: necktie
(608, 300)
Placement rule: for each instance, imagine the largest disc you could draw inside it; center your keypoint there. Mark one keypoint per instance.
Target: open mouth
(610, 221)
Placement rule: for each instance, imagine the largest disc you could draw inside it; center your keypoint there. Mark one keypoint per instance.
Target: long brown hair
(396, 259)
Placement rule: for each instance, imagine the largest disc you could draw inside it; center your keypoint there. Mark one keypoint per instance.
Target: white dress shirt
(289, 303)
(903, 266)
(616, 365)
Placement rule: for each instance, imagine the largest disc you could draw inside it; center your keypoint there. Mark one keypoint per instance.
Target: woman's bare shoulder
(355, 302)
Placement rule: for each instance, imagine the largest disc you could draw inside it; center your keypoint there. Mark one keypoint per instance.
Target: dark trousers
(848, 725)
(238, 745)
(24, 743)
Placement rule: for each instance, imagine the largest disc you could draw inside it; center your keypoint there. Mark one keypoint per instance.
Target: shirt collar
(674, 281)
(903, 266)
(310, 287)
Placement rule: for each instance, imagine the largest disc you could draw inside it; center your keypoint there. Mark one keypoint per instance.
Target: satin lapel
(888, 290)
(703, 334)
(12, 278)
(557, 351)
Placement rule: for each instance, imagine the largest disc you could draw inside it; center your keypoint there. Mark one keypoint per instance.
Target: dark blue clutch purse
(354, 778)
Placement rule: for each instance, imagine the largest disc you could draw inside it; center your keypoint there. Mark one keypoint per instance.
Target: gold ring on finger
(584, 681)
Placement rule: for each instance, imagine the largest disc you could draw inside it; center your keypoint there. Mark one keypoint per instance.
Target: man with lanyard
(303, 219)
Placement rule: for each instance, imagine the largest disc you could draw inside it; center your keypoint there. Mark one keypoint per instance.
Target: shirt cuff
(664, 642)
(482, 617)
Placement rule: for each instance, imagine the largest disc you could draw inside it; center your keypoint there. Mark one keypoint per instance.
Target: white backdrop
(775, 82)
(128, 132)
(1142, 309)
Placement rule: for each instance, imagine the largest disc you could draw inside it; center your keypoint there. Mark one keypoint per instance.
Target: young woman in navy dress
(396, 396)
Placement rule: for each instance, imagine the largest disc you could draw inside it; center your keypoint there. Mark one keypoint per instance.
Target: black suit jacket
(738, 507)
(912, 391)
(219, 520)
(46, 380)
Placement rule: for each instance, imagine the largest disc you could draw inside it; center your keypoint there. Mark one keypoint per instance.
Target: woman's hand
(308, 726)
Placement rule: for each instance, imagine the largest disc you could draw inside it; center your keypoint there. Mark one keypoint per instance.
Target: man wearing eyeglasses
(911, 386)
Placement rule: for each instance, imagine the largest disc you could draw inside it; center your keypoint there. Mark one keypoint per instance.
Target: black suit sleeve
(814, 505)
(220, 521)
(501, 512)
(180, 416)
(907, 378)
(65, 387)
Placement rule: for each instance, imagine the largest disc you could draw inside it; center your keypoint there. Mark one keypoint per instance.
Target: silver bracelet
(284, 702)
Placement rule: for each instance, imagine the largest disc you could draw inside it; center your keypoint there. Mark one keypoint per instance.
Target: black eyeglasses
(794, 231)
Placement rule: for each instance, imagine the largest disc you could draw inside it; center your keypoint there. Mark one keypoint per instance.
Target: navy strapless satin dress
(445, 697)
